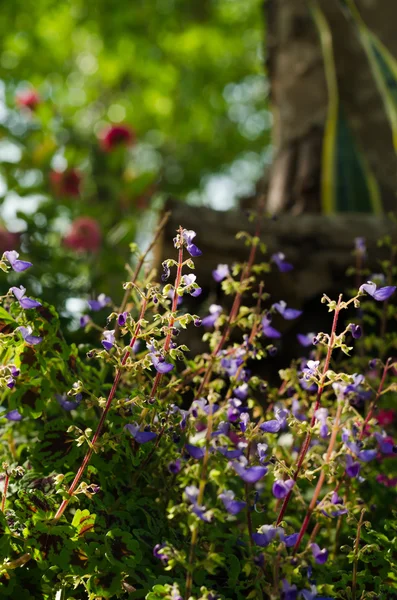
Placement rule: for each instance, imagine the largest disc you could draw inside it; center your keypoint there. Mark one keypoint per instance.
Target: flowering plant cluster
(132, 469)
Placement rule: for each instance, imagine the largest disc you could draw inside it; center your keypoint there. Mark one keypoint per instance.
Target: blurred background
(109, 109)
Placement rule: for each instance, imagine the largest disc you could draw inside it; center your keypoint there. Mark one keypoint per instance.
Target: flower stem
(321, 479)
(355, 563)
(4, 496)
(320, 390)
(98, 431)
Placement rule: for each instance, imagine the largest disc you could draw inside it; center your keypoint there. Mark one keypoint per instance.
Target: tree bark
(299, 98)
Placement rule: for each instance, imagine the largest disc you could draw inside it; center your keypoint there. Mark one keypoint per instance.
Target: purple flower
(192, 493)
(356, 331)
(352, 468)
(244, 420)
(13, 415)
(231, 365)
(84, 320)
(386, 443)
(306, 339)
(14, 371)
(266, 534)
(68, 404)
(274, 425)
(296, 411)
(241, 392)
(23, 300)
(166, 272)
(17, 265)
(320, 556)
(10, 382)
(287, 313)
(158, 554)
(380, 294)
(215, 311)
(268, 330)
(232, 506)
(360, 247)
(188, 235)
(141, 437)
(310, 369)
(99, 303)
(190, 280)
(195, 451)
(122, 318)
(26, 333)
(175, 466)
(249, 474)
(290, 540)
(220, 273)
(160, 363)
(279, 260)
(108, 339)
(261, 450)
(282, 488)
(289, 592)
(321, 415)
(230, 454)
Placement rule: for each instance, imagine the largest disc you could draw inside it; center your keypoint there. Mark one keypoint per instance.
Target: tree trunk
(299, 97)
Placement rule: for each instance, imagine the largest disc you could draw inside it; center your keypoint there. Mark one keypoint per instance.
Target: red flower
(84, 235)
(386, 417)
(116, 135)
(27, 99)
(8, 240)
(66, 183)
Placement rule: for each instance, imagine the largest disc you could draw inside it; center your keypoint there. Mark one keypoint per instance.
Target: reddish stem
(306, 443)
(112, 392)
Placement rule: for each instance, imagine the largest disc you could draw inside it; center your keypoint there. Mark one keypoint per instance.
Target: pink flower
(116, 135)
(66, 183)
(386, 417)
(84, 235)
(28, 98)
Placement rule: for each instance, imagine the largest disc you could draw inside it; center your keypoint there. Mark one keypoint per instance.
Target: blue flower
(141, 437)
(356, 331)
(290, 540)
(274, 425)
(306, 339)
(68, 404)
(249, 474)
(108, 340)
(84, 320)
(26, 333)
(175, 466)
(321, 415)
(241, 392)
(286, 313)
(209, 320)
(99, 303)
(192, 493)
(352, 468)
(360, 247)
(221, 272)
(289, 592)
(320, 556)
(230, 454)
(192, 288)
(279, 260)
(380, 294)
(23, 300)
(232, 506)
(13, 415)
(122, 318)
(266, 534)
(282, 488)
(160, 364)
(17, 265)
(262, 450)
(195, 451)
(188, 235)
(268, 330)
